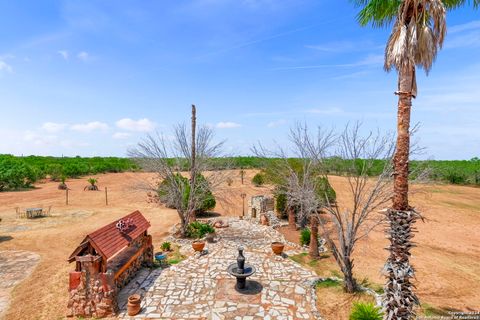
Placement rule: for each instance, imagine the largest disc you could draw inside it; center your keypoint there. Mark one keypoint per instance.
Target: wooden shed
(105, 261)
(113, 245)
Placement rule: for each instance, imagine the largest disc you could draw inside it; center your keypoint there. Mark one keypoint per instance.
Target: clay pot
(198, 245)
(133, 305)
(264, 220)
(277, 247)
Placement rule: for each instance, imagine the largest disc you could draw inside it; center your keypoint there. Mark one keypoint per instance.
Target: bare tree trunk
(350, 285)
(345, 263)
(291, 218)
(193, 173)
(399, 297)
(313, 252)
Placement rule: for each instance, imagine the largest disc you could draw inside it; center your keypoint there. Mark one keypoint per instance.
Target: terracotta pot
(277, 247)
(198, 245)
(264, 220)
(133, 305)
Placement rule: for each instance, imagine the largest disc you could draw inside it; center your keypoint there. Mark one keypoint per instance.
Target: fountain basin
(241, 277)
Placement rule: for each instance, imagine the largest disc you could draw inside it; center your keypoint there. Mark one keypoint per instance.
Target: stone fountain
(240, 270)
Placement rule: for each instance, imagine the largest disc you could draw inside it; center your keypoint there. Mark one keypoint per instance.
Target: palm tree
(419, 28)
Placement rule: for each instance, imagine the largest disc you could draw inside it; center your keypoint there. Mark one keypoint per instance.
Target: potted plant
(277, 247)
(93, 184)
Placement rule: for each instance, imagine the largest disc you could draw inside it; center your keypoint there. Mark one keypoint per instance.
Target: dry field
(447, 258)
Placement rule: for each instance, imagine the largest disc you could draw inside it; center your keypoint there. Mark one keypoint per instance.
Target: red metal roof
(108, 240)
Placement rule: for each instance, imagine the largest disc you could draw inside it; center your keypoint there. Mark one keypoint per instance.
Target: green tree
(419, 28)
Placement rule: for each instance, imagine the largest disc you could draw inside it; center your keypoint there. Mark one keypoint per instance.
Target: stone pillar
(92, 293)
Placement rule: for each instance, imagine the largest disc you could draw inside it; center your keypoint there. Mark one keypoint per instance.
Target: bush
(229, 181)
(198, 230)
(166, 246)
(258, 180)
(281, 204)
(305, 237)
(365, 311)
(207, 199)
(325, 190)
(16, 174)
(455, 177)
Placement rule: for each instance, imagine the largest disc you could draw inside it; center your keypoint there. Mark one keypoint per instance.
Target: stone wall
(258, 205)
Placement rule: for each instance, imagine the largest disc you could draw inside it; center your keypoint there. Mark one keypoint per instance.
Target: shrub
(258, 180)
(54, 170)
(305, 237)
(16, 174)
(325, 190)
(207, 199)
(365, 311)
(166, 246)
(281, 204)
(92, 181)
(455, 177)
(198, 230)
(229, 181)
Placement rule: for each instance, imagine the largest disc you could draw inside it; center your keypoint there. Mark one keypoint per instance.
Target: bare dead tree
(353, 219)
(167, 156)
(298, 173)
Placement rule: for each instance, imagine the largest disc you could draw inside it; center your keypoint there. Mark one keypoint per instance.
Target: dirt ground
(447, 258)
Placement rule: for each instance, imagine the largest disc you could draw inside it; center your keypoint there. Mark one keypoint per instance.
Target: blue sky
(93, 77)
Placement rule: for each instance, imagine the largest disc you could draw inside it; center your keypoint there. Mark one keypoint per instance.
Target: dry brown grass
(447, 257)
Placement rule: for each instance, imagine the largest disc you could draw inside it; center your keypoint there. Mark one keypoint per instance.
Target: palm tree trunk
(402, 150)
(313, 252)
(291, 218)
(399, 297)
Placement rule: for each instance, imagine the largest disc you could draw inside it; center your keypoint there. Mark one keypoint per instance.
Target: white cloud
(475, 24)
(276, 123)
(228, 125)
(141, 125)
(40, 139)
(84, 56)
(53, 127)
(5, 67)
(121, 135)
(89, 127)
(64, 54)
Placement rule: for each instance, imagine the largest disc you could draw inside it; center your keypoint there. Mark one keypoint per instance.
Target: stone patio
(200, 287)
(15, 265)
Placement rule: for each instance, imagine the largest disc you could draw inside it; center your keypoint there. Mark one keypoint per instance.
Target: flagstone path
(15, 265)
(200, 287)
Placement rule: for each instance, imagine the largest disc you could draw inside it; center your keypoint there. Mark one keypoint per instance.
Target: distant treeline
(22, 172)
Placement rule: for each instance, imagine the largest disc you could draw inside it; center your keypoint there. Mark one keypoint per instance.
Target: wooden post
(66, 196)
(243, 195)
(106, 196)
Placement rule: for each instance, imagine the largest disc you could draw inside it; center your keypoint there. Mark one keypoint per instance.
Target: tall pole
(66, 196)
(243, 195)
(193, 173)
(106, 196)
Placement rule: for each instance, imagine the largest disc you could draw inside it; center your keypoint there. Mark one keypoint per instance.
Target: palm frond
(379, 13)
